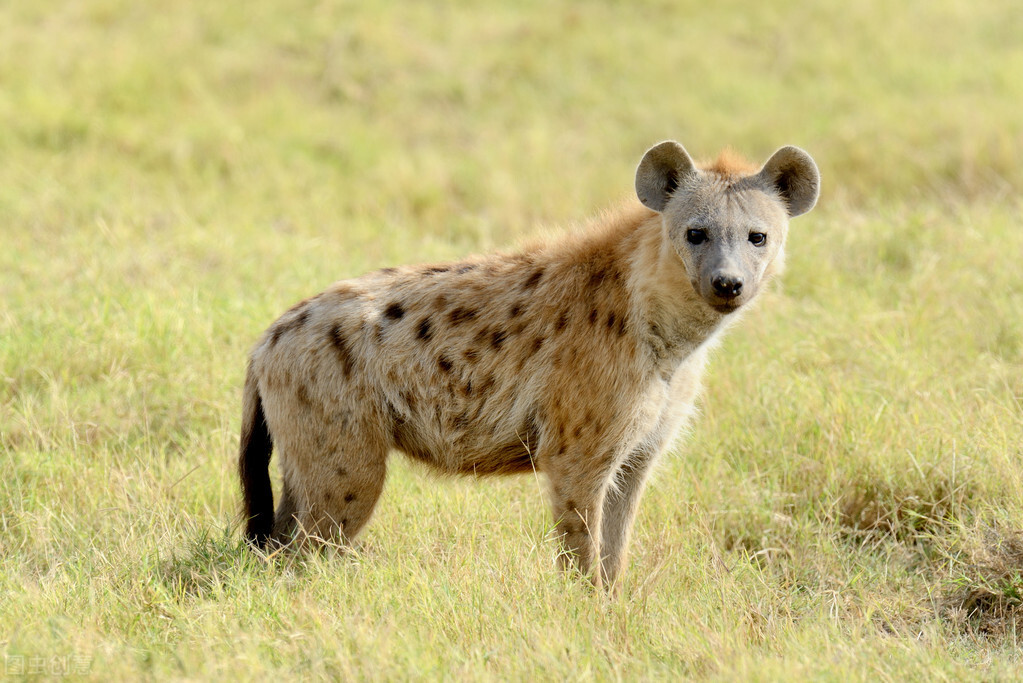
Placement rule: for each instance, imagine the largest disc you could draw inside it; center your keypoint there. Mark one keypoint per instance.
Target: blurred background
(174, 175)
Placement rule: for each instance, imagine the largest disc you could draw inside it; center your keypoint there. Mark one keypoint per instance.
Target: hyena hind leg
(334, 495)
(284, 518)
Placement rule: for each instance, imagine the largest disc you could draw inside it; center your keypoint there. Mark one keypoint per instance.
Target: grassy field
(175, 175)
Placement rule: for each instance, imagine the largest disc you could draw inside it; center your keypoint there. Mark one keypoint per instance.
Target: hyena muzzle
(579, 358)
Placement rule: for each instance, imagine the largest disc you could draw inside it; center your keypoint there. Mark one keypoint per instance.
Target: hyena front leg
(578, 488)
(620, 507)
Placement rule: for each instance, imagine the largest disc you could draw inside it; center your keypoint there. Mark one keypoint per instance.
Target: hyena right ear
(664, 167)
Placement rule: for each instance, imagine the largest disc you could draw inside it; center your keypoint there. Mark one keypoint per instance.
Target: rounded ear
(663, 168)
(794, 175)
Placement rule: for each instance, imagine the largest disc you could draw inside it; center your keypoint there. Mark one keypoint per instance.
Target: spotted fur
(579, 358)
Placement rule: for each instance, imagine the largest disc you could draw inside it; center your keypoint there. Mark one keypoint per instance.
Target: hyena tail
(254, 466)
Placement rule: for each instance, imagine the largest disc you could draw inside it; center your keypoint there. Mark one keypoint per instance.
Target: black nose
(727, 286)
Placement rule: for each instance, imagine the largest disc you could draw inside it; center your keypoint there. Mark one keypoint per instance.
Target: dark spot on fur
(461, 421)
(302, 394)
(388, 271)
(444, 364)
(611, 320)
(350, 496)
(578, 431)
(344, 523)
(395, 311)
(461, 315)
(295, 323)
(621, 326)
(515, 311)
(423, 331)
(342, 292)
(341, 471)
(342, 349)
(570, 505)
(467, 387)
(497, 339)
(486, 385)
(471, 355)
(321, 440)
(537, 344)
(597, 278)
(593, 316)
(534, 279)
(562, 448)
(561, 322)
(465, 268)
(432, 270)
(410, 400)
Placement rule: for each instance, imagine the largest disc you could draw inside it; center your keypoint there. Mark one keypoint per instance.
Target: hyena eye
(757, 239)
(696, 236)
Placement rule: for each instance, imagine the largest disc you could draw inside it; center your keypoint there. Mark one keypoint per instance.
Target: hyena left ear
(664, 167)
(793, 174)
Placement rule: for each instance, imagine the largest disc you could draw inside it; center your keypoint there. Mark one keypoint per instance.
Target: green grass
(850, 503)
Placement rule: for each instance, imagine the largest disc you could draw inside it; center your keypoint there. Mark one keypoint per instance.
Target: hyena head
(727, 223)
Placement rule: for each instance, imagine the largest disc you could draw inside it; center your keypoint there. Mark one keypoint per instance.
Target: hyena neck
(673, 320)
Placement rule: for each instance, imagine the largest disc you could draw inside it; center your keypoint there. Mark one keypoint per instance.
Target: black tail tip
(257, 534)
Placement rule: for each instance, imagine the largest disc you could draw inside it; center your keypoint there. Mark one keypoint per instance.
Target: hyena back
(579, 358)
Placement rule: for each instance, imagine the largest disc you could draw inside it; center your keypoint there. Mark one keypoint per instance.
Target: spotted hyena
(579, 358)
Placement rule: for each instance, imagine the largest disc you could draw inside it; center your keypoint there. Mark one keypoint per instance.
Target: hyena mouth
(727, 307)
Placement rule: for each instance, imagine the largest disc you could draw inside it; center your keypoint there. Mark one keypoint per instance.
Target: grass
(849, 505)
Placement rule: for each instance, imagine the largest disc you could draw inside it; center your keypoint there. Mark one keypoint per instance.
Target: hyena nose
(727, 286)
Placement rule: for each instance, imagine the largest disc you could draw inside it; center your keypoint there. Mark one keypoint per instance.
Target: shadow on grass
(930, 507)
(985, 595)
(212, 564)
(868, 512)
